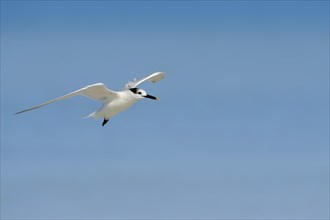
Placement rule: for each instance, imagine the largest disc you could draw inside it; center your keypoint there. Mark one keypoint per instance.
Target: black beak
(151, 97)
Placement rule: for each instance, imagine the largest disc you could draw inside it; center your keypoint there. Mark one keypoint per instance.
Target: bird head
(140, 93)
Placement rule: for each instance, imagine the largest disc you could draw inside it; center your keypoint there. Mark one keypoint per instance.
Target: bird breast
(117, 105)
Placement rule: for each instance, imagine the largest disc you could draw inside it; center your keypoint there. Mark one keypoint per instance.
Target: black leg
(105, 121)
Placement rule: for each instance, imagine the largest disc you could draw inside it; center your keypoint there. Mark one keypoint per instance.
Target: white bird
(113, 102)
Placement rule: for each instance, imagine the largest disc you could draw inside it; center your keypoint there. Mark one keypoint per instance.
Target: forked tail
(92, 115)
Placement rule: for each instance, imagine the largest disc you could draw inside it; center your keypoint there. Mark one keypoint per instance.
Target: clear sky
(241, 130)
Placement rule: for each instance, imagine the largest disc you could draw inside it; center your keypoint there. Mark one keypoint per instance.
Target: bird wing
(96, 91)
(155, 77)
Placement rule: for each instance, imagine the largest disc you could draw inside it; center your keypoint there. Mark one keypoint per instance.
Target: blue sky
(241, 130)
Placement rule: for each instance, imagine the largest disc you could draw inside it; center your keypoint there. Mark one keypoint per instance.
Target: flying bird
(113, 102)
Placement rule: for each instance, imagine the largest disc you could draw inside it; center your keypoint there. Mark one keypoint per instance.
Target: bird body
(113, 102)
(110, 109)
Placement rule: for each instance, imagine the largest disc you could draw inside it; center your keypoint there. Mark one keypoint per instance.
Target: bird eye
(139, 93)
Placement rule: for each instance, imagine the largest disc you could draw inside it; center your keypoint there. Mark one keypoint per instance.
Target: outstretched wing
(155, 77)
(96, 91)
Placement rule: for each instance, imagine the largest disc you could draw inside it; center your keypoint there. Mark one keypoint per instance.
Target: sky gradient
(241, 130)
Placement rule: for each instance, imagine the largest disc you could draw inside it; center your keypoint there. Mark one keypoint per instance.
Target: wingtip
(16, 113)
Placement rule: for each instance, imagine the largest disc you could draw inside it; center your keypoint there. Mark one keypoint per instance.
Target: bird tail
(93, 114)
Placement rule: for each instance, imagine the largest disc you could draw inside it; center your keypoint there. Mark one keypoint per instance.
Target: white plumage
(113, 102)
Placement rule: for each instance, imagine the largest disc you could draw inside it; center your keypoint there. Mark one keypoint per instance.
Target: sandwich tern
(113, 102)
